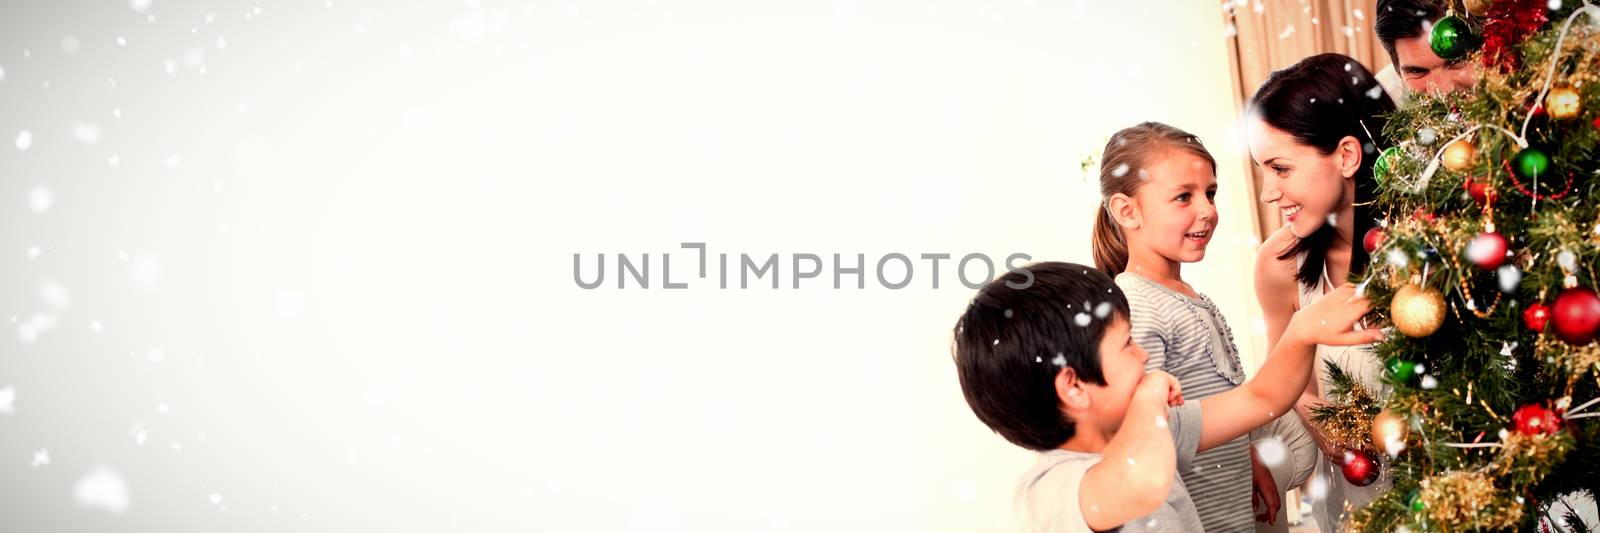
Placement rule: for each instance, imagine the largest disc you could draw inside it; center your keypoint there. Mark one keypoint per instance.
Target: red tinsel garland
(1508, 23)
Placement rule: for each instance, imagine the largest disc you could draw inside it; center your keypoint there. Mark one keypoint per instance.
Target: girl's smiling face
(1305, 184)
(1177, 207)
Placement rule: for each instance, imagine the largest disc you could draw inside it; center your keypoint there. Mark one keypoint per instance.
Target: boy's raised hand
(1160, 388)
(1331, 320)
(1139, 464)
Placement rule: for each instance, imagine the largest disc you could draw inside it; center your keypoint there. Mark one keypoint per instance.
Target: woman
(1314, 131)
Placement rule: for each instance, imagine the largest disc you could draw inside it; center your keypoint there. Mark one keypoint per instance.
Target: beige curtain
(1266, 35)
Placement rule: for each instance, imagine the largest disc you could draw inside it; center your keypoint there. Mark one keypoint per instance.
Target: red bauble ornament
(1423, 215)
(1534, 419)
(1536, 316)
(1577, 315)
(1360, 467)
(1480, 191)
(1487, 250)
(1372, 240)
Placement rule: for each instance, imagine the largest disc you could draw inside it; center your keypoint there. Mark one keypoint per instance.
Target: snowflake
(1398, 259)
(1509, 277)
(1318, 488)
(54, 294)
(102, 488)
(1272, 451)
(40, 199)
(1427, 136)
(86, 133)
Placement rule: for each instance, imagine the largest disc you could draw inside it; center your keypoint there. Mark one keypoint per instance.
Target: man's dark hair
(1011, 342)
(1403, 19)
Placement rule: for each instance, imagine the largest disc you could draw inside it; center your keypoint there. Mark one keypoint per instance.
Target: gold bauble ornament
(1563, 102)
(1389, 432)
(1478, 7)
(1417, 312)
(1459, 155)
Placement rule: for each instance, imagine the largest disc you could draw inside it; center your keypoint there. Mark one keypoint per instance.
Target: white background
(309, 268)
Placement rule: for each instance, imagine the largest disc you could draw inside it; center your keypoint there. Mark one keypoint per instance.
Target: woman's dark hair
(1320, 101)
(1127, 154)
(1017, 334)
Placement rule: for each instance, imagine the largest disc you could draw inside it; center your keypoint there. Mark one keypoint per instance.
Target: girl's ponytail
(1110, 248)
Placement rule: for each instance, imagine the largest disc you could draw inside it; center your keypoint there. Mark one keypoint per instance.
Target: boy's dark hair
(1403, 19)
(1011, 342)
(1320, 101)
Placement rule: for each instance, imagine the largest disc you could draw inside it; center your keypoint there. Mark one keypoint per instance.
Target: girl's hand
(1331, 320)
(1263, 488)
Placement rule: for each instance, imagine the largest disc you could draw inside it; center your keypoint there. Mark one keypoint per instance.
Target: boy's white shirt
(1047, 495)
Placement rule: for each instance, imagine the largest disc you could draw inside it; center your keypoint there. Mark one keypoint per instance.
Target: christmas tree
(1485, 263)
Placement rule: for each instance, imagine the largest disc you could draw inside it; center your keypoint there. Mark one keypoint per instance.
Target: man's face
(1425, 72)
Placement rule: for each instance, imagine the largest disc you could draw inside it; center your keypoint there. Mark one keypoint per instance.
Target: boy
(1045, 359)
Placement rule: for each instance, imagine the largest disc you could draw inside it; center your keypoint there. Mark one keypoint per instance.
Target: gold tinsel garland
(1582, 360)
(1466, 500)
(1532, 455)
(1347, 421)
(1577, 361)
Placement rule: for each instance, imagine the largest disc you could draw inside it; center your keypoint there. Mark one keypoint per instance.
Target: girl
(1159, 185)
(1315, 131)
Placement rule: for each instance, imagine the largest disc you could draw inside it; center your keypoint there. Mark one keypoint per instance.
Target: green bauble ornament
(1401, 369)
(1385, 162)
(1415, 499)
(1452, 38)
(1530, 163)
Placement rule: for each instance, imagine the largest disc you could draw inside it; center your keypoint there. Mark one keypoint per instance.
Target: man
(1402, 26)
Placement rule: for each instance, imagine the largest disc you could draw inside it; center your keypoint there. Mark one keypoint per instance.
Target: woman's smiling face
(1306, 185)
